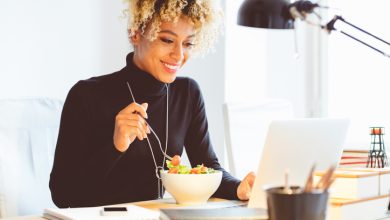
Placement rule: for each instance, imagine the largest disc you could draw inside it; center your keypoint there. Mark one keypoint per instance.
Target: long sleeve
(80, 161)
(199, 147)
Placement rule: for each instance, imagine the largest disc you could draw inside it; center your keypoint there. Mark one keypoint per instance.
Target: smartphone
(113, 211)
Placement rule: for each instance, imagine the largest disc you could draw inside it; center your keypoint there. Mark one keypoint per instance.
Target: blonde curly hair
(205, 15)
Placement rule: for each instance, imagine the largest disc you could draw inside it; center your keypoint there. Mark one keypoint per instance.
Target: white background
(359, 77)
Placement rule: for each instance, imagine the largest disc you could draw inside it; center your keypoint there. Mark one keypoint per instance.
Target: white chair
(246, 125)
(28, 135)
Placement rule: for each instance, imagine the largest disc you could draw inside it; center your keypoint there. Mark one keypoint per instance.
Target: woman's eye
(166, 40)
(189, 45)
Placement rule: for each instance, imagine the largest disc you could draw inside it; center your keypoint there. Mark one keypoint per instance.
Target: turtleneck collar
(141, 82)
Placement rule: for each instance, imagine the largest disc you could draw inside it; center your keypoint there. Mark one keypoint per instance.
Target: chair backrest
(246, 126)
(28, 135)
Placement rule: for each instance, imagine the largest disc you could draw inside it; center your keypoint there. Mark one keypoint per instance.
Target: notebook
(133, 213)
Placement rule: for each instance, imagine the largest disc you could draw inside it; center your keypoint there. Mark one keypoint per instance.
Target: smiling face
(164, 56)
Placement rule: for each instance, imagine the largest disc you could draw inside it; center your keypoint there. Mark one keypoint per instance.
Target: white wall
(209, 72)
(262, 64)
(245, 59)
(47, 46)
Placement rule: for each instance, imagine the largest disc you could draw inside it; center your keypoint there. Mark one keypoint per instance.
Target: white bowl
(191, 189)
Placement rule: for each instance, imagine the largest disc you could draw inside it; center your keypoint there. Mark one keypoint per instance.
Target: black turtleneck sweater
(89, 171)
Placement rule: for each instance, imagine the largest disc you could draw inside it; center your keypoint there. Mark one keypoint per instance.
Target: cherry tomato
(195, 171)
(173, 170)
(175, 160)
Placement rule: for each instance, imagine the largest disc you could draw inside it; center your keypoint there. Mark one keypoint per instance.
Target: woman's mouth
(171, 68)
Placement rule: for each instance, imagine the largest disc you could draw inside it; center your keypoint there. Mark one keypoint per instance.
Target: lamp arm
(330, 27)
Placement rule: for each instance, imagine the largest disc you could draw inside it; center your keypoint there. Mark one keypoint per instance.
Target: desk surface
(152, 204)
(158, 204)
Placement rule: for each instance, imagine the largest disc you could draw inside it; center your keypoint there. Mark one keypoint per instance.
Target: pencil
(309, 180)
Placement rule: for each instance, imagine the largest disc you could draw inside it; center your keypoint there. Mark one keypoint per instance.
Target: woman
(105, 151)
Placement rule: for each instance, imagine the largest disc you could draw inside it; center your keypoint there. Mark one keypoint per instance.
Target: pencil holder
(377, 154)
(295, 204)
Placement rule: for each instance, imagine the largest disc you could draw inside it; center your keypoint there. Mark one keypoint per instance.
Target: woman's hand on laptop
(245, 188)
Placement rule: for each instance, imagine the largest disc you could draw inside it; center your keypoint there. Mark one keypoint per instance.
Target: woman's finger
(250, 177)
(134, 132)
(132, 116)
(133, 123)
(135, 107)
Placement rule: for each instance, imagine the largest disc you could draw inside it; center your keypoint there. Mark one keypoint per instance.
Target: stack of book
(383, 177)
(359, 193)
(353, 209)
(354, 158)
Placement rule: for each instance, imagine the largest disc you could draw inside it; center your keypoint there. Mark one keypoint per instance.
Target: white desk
(151, 204)
(158, 204)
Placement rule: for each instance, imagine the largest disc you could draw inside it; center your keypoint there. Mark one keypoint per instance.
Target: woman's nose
(178, 52)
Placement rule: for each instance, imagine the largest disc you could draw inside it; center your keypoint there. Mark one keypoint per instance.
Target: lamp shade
(272, 14)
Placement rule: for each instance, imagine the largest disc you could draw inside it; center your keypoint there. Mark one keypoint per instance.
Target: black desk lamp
(280, 14)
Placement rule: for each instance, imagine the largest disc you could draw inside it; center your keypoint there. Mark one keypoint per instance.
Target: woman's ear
(134, 37)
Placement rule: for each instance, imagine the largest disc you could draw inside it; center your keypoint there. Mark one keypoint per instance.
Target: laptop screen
(295, 145)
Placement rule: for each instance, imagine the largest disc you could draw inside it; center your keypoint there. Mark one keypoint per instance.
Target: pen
(309, 180)
(326, 178)
(286, 189)
(327, 185)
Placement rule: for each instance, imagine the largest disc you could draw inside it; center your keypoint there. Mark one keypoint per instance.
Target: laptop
(295, 145)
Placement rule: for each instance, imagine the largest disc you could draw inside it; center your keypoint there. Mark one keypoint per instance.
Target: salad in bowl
(190, 186)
